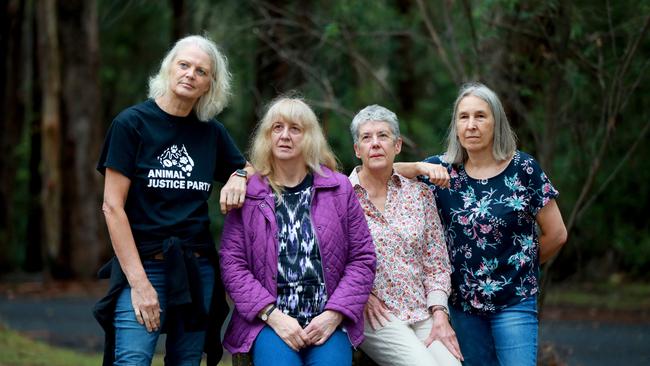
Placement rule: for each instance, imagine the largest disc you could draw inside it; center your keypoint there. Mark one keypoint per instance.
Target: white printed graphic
(177, 167)
(174, 156)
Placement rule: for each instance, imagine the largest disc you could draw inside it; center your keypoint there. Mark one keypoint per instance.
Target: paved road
(588, 343)
(68, 322)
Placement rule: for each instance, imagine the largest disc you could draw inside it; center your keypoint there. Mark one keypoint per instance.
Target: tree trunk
(84, 242)
(272, 72)
(50, 72)
(12, 107)
(554, 103)
(180, 19)
(407, 84)
(34, 236)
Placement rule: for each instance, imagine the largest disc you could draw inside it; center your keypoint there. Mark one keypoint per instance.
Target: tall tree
(12, 110)
(180, 19)
(51, 169)
(83, 223)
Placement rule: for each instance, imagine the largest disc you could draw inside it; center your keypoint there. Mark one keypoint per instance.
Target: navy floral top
(491, 233)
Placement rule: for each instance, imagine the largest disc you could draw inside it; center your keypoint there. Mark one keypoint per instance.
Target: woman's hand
(289, 330)
(436, 173)
(143, 296)
(443, 332)
(377, 313)
(233, 193)
(321, 327)
(146, 306)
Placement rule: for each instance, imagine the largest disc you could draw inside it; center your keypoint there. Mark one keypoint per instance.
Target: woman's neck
(484, 165)
(375, 180)
(480, 160)
(289, 175)
(376, 185)
(175, 106)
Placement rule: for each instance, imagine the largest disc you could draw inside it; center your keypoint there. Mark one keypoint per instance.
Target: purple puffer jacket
(249, 256)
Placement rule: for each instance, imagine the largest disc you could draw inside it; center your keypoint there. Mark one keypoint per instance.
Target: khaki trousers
(402, 344)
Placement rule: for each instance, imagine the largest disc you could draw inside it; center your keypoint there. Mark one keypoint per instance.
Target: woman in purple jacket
(297, 259)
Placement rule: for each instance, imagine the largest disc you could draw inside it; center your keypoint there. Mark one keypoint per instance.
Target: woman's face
(475, 125)
(377, 145)
(190, 73)
(286, 139)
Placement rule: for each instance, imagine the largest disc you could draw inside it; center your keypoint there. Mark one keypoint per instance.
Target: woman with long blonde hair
(297, 259)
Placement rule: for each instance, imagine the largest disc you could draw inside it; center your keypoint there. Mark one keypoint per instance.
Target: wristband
(441, 308)
(266, 314)
(240, 173)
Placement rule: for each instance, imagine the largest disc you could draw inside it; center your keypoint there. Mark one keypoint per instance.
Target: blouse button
(263, 205)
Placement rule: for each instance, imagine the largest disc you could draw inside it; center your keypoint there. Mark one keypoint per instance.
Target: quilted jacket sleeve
(351, 294)
(247, 292)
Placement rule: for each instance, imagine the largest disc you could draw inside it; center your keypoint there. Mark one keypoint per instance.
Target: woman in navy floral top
(491, 205)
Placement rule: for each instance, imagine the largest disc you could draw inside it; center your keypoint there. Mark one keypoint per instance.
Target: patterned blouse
(412, 264)
(301, 285)
(491, 233)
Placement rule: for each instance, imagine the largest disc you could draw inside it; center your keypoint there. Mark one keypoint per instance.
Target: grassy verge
(17, 350)
(605, 295)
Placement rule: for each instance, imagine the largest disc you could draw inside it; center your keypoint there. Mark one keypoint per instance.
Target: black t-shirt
(171, 162)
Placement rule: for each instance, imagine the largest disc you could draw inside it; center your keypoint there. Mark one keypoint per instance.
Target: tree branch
(435, 38)
(613, 174)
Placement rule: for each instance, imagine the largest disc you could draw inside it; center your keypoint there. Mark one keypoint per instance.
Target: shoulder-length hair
(505, 140)
(315, 149)
(216, 98)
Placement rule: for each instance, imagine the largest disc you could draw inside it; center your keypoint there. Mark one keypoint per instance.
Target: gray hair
(216, 98)
(505, 140)
(374, 113)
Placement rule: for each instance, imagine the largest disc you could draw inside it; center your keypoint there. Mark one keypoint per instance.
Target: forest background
(573, 76)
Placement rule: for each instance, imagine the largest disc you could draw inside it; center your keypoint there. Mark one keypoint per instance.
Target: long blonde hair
(315, 149)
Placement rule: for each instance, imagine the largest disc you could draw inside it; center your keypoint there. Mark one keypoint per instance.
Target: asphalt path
(68, 322)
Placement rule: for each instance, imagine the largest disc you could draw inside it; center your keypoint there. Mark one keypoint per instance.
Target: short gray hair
(216, 98)
(505, 140)
(374, 113)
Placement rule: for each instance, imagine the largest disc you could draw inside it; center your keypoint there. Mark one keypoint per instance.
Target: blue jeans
(270, 350)
(134, 345)
(505, 338)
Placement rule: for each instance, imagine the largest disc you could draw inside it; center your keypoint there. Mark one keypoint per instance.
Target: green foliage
(557, 66)
(553, 64)
(133, 34)
(633, 246)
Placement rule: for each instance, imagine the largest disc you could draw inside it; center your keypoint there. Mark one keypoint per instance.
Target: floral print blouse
(492, 234)
(412, 263)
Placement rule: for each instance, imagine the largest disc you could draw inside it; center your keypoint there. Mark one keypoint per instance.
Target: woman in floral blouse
(497, 196)
(407, 321)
